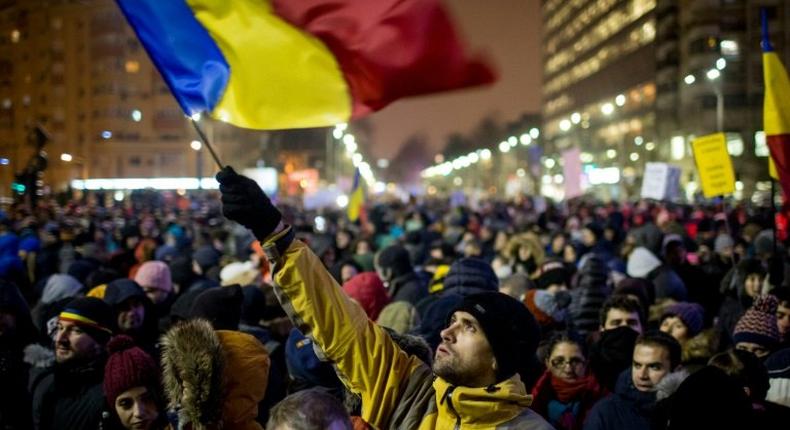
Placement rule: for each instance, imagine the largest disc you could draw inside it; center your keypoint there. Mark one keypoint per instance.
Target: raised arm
(369, 361)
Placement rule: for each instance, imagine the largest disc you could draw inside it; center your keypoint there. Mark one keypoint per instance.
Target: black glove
(243, 201)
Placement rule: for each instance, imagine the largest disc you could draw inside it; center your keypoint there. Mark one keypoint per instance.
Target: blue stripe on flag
(185, 54)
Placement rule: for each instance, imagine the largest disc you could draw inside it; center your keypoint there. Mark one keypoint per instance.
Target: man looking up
(474, 382)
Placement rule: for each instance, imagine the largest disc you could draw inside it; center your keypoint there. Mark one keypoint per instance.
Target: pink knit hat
(154, 274)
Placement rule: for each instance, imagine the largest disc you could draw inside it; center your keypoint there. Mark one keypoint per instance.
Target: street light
(721, 63)
(196, 145)
(713, 74)
(689, 79)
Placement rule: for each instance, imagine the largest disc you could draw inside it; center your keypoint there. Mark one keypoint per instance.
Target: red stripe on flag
(779, 144)
(389, 49)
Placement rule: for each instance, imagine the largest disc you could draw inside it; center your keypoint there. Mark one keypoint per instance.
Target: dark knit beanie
(396, 258)
(509, 327)
(127, 367)
(92, 315)
(692, 315)
(221, 306)
(473, 274)
(758, 325)
(552, 273)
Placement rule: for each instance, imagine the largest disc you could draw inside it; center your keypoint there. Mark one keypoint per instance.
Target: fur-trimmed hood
(213, 378)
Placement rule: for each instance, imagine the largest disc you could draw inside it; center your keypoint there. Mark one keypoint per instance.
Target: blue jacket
(628, 408)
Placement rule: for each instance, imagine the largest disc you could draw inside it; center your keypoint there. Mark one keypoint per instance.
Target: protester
(309, 410)
(566, 391)
(656, 355)
(213, 378)
(482, 344)
(621, 311)
(69, 394)
(757, 331)
(132, 388)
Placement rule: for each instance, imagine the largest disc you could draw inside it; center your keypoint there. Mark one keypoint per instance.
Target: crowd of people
(225, 311)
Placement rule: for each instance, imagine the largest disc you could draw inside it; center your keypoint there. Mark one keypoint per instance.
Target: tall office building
(628, 81)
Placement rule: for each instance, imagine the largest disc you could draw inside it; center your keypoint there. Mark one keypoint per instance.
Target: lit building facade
(627, 82)
(77, 68)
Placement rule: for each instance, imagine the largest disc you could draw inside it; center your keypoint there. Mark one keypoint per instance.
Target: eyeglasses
(560, 362)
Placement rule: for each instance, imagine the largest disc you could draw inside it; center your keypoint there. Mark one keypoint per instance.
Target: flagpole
(773, 215)
(206, 142)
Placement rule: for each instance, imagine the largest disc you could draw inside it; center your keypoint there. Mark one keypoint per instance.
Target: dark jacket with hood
(14, 401)
(628, 408)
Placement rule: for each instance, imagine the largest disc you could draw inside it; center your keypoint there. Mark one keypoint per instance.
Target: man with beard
(69, 395)
(474, 381)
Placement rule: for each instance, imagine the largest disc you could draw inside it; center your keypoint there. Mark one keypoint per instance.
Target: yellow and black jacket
(398, 391)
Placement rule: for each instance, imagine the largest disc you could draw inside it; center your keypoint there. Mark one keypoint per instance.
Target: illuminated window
(132, 66)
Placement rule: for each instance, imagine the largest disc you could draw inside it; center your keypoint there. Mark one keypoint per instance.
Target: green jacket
(398, 391)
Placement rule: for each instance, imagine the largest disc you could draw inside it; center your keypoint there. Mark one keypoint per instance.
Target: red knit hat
(758, 325)
(368, 290)
(127, 367)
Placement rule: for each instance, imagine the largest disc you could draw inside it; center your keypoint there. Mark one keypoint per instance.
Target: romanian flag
(276, 64)
(776, 113)
(357, 199)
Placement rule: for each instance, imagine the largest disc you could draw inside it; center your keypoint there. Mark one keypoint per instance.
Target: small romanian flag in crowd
(277, 64)
(356, 200)
(776, 113)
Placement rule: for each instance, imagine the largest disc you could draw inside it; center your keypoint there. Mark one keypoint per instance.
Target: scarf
(570, 390)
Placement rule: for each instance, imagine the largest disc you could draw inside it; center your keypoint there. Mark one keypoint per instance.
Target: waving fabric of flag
(275, 64)
(776, 113)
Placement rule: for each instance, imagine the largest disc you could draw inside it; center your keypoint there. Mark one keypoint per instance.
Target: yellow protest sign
(714, 165)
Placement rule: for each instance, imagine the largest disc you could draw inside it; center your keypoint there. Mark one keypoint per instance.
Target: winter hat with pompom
(758, 325)
(127, 367)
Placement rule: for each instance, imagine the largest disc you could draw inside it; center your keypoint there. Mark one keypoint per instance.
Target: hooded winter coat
(214, 376)
(14, 399)
(397, 390)
(628, 408)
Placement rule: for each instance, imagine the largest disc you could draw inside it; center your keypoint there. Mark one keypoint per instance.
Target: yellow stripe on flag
(280, 76)
(355, 203)
(776, 108)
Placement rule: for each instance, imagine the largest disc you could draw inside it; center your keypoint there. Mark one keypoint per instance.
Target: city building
(633, 81)
(76, 68)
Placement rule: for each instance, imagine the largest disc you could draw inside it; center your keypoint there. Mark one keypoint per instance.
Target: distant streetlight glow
(106, 134)
(607, 108)
(196, 145)
(689, 79)
(534, 132)
(504, 146)
(485, 154)
(195, 116)
(576, 117)
(619, 100)
(525, 139)
(713, 74)
(549, 163)
(137, 115)
(611, 153)
(342, 201)
(634, 156)
(721, 63)
(565, 125)
(66, 157)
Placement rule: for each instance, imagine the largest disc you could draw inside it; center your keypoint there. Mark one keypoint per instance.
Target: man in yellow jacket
(474, 382)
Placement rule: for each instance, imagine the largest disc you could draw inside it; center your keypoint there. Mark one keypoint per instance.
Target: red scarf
(570, 390)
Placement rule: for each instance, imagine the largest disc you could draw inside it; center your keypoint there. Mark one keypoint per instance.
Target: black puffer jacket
(68, 397)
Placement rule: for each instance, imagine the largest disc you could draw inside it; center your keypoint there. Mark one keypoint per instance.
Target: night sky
(507, 32)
